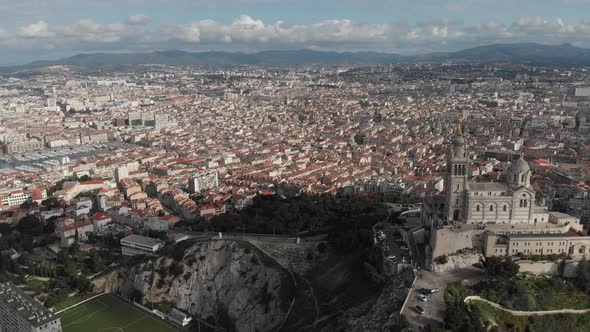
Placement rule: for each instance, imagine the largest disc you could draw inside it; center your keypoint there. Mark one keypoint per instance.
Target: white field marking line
(133, 322)
(87, 317)
(74, 311)
(77, 309)
(157, 319)
(77, 304)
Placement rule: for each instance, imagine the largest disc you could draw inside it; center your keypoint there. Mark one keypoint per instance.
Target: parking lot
(392, 243)
(435, 307)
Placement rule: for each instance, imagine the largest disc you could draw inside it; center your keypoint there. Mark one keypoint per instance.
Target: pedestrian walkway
(526, 313)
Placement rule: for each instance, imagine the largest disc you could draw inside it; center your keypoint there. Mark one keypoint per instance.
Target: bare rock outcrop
(459, 260)
(232, 284)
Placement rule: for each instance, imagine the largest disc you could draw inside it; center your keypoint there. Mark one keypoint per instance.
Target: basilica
(509, 202)
(489, 215)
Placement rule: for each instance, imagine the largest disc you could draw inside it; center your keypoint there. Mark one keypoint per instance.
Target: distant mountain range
(565, 54)
(289, 57)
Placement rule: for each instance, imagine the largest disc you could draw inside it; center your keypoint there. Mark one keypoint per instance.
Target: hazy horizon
(33, 31)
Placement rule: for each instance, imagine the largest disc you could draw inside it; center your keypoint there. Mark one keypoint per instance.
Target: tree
(5, 228)
(30, 225)
(85, 178)
(583, 275)
(28, 204)
(96, 263)
(27, 243)
(497, 267)
(49, 227)
(135, 295)
(55, 298)
(50, 202)
(441, 259)
(83, 285)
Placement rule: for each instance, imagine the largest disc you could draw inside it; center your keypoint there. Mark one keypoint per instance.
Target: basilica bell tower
(456, 179)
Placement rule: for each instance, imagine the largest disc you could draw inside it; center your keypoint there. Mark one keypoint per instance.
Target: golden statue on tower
(459, 125)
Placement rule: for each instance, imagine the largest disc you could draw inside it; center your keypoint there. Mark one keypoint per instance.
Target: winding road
(526, 313)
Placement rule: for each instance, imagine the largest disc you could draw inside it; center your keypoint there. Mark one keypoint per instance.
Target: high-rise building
(203, 180)
(121, 172)
(161, 121)
(134, 119)
(21, 313)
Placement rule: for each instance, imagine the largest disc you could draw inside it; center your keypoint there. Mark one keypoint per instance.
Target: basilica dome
(519, 166)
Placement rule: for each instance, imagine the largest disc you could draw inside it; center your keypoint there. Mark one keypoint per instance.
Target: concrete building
(140, 245)
(22, 146)
(134, 119)
(571, 242)
(15, 198)
(21, 313)
(582, 92)
(69, 231)
(203, 180)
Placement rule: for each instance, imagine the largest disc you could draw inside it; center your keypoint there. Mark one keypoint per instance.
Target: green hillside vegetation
(520, 293)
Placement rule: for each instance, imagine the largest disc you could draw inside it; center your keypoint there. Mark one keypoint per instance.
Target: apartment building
(21, 313)
(203, 180)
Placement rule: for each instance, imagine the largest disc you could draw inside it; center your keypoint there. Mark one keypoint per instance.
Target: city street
(390, 246)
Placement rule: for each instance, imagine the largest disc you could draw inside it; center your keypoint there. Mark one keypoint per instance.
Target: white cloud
(138, 19)
(87, 30)
(249, 33)
(245, 29)
(190, 33)
(36, 30)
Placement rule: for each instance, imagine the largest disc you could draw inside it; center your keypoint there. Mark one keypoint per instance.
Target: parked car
(422, 298)
(390, 257)
(434, 290)
(403, 248)
(419, 309)
(424, 291)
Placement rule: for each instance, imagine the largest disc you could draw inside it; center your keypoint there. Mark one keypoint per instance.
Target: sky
(50, 29)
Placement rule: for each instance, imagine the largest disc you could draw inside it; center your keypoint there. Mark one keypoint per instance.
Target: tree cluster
(498, 267)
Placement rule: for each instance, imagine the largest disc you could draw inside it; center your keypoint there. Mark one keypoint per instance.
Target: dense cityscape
(336, 187)
(131, 162)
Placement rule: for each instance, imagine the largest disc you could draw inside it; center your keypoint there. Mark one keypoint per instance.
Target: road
(394, 247)
(527, 313)
(435, 307)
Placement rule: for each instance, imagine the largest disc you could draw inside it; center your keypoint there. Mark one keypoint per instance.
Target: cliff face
(230, 283)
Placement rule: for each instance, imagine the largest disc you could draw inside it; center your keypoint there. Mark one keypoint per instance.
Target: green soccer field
(107, 313)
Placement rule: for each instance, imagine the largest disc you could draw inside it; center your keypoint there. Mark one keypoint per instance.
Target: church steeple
(456, 179)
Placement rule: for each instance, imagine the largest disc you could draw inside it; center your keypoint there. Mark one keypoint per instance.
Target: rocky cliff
(231, 284)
